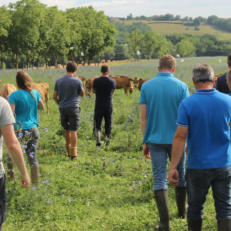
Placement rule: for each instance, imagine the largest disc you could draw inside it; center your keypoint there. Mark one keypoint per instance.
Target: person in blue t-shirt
(204, 119)
(160, 98)
(25, 104)
(104, 88)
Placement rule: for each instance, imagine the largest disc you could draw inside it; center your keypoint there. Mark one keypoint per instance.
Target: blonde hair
(167, 62)
(24, 82)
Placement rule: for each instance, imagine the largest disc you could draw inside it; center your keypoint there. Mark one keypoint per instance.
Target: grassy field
(170, 27)
(107, 188)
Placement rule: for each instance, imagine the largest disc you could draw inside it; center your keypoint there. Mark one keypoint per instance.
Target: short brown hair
(167, 62)
(104, 68)
(71, 66)
(229, 59)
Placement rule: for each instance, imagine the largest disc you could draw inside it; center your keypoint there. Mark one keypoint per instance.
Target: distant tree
(197, 21)
(129, 17)
(185, 48)
(134, 41)
(5, 22)
(149, 42)
(177, 17)
(190, 19)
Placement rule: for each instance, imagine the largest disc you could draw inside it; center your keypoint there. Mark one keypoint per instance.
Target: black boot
(181, 201)
(224, 224)
(162, 203)
(108, 137)
(194, 224)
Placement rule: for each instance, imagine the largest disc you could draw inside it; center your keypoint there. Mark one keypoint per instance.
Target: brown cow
(123, 82)
(136, 81)
(43, 89)
(141, 81)
(7, 89)
(89, 85)
(216, 77)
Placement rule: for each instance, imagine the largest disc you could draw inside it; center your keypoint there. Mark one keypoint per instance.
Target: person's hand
(25, 180)
(146, 151)
(174, 177)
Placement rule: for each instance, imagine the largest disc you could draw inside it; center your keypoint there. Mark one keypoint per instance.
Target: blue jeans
(159, 154)
(198, 184)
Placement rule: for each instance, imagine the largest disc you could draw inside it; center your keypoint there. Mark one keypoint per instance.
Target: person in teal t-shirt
(160, 98)
(24, 103)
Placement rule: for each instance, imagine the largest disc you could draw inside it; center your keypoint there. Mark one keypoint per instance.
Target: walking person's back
(66, 94)
(103, 87)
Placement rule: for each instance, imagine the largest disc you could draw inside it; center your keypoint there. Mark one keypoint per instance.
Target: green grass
(170, 27)
(107, 188)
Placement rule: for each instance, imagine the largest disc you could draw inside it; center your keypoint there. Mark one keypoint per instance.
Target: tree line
(31, 31)
(221, 23)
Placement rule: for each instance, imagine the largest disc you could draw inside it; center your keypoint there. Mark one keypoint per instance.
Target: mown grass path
(107, 188)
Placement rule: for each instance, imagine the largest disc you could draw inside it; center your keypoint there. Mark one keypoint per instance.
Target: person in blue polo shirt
(160, 98)
(203, 119)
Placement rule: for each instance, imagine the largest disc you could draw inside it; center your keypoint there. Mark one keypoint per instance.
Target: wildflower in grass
(135, 188)
(28, 133)
(39, 174)
(40, 147)
(134, 131)
(28, 215)
(33, 145)
(146, 171)
(20, 134)
(38, 116)
(87, 137)
(143, 173)
(62, 195)
(46, 130)
(41, 195)
(47, 183)
(133, 182)
(23, 151)
(34, 188)
(69, 201)
(24, 146)
(32, 154)
(142, 157)
(132, 113)
(48, 202)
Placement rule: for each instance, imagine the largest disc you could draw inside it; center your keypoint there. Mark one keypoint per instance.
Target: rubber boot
(73, 153)
(108, 137)
(224, 224)
(10, 172)
(67, 146)
(181, 201)
(162, 203)
(34, 175)
(194, 224)
(98, 138)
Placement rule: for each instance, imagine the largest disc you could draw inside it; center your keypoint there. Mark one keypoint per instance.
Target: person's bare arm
(15, 152)
(41, 105)
(143, 125)
(81, 93)
(177, 152)
(12, 107)
(55, 97)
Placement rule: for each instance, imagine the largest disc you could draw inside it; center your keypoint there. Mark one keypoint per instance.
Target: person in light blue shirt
(159, 99)
(204, 120)
(24, 103)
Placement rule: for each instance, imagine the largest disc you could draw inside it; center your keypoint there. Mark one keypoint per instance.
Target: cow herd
(121, 82)
(43, 88)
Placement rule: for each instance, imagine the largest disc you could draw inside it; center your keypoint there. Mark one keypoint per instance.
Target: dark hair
(24, 82)
(229, 59)
(71, 66)
(167, 62)
(104, 68)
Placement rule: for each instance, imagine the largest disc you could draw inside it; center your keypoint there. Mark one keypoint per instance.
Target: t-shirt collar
(199, 91)
(165, 74)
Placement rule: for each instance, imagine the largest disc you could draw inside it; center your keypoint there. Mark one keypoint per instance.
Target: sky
(122, 8)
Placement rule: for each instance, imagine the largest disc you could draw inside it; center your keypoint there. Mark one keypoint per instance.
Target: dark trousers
(105, 113)
(3, 199)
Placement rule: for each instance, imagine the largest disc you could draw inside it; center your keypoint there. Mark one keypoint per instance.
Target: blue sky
(122, 8)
